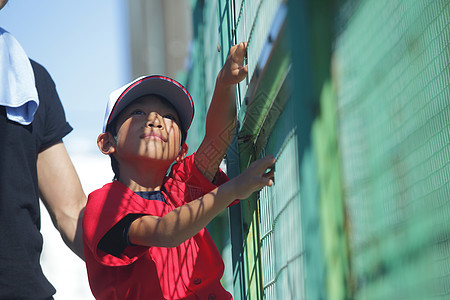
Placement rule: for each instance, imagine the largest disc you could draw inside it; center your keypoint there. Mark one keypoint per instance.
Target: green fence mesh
(281, 235)
(360, 208)
(391, 71)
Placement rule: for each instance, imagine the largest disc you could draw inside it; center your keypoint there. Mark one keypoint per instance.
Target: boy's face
(148, 128)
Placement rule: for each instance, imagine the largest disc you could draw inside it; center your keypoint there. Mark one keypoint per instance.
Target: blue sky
(84, 45)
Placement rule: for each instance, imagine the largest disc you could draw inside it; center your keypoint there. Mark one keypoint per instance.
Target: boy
(144, 234)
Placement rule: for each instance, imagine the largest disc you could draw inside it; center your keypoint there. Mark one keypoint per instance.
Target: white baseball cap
(163, 86)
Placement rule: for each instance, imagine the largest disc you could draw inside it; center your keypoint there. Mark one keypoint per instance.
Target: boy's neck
(142, 178)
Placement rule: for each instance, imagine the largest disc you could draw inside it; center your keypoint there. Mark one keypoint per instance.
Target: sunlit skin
(148, 141)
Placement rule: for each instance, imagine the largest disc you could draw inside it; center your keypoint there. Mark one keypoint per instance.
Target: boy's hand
(255, 177)
(234, 71)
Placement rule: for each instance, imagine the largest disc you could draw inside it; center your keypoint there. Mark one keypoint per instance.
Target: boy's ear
(183, 151)
(106, 143)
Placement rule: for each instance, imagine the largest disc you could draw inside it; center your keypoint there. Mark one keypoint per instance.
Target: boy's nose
(154, 120)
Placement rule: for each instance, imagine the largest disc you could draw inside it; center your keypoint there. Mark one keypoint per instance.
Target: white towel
(17, 86)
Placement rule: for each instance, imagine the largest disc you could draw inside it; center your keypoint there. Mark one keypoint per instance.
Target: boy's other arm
(221, 116)
(186, 221)
(61, 191)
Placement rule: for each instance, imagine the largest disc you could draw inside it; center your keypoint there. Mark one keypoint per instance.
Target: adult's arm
(61, 191)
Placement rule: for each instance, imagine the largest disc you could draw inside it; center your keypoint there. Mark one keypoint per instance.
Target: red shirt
(190, 271)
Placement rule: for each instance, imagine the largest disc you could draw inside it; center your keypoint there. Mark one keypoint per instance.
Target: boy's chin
(159, 159)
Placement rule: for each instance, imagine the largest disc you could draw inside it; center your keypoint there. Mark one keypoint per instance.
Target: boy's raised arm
(221, 116)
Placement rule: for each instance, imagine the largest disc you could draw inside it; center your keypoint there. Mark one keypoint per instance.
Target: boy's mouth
(153, 135)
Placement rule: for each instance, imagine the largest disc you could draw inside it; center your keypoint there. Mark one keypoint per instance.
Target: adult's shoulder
(50, 118)
(37, 66)
(41, 75)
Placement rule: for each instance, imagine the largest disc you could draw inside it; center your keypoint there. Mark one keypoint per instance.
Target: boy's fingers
(243, 72)
(269, 174)
(265, 163)
(242, 46)
(241, 49)
(262, 182)
(268, 182)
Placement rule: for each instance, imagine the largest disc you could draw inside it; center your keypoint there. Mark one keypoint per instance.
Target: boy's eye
(137, 112)
(170, 117)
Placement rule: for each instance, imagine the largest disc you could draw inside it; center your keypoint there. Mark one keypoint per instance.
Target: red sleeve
(193, 183)
(105, 208)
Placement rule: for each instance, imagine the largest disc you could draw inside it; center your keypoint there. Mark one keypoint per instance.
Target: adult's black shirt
(21, 276)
